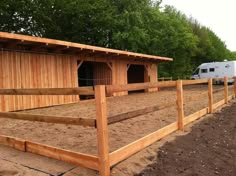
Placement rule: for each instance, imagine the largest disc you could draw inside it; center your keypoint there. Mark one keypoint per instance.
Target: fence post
(226, 89)
(180, 104)
(210, 96)
(102, 131)
(235, 87)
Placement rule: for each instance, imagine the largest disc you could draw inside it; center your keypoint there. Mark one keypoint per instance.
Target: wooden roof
(13, 41)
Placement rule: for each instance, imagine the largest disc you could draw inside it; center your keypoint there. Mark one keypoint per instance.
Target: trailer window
(204, 70)
(212, 69)
(196, 72)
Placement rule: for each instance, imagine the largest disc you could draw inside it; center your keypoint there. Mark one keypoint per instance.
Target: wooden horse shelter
(33, 62)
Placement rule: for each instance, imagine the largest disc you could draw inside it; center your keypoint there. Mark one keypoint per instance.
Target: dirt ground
(209, 149)
(83, 139)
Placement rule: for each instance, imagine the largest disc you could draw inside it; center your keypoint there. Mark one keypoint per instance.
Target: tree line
(134, 25)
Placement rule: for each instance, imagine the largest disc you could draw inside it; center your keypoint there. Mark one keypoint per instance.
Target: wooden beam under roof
(32, 40)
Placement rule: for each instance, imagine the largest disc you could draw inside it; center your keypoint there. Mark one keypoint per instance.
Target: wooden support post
(109, 65)
(102, 130)
(210, 96)
(235, 87)
(80, 63)
(180, 104)
(226, 89)
(129, 66)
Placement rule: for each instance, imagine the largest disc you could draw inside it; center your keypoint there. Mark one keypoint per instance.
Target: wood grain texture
(49, 119)
(195, 116)
(22, 70)
(102, 131)
(13, 142)
(134, 147)
(210, 96)
(135, 113)
(191, 82)
(138, 86)
(107, 51)
(49, 91)
(180, 104)
(80, 159)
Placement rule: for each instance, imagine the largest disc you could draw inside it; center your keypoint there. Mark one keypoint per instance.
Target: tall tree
(133, 25)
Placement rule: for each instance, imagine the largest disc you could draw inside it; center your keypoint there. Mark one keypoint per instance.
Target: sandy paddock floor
(83, 139)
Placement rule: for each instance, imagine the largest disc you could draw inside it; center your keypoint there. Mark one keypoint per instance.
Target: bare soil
(83, 139)
(209, 149)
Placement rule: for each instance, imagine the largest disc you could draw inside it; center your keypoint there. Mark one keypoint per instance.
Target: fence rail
(105, 160)
(49, 91)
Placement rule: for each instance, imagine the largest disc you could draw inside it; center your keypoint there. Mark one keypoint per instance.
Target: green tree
(133, 25)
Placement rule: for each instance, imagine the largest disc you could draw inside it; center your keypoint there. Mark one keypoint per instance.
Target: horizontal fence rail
(49, 119)
(81, 159)
(105, 160)
(192, 82)
(49, 91)
(135, 113)
(138, 86)
(134, 147)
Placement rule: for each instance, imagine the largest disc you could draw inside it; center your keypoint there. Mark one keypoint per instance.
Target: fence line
(106, 160)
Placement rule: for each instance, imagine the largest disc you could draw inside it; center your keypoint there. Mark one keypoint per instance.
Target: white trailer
(215, 70)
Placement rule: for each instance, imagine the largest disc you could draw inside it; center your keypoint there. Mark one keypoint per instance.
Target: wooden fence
(105, 160)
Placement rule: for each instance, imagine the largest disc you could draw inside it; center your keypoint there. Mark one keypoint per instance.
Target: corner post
(210, 96)
(102, 131)
(226, 89)
(180, 104)
(235, 87)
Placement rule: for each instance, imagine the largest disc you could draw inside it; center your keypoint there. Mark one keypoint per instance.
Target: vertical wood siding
(31, 70)
(102, 74)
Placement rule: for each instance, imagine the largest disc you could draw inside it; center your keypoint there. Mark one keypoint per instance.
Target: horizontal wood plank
(138, 86)
(80, 159)
(49, 91)
(195, 116)
(13, 142)
(49, 119)
(191, 82)
(135, 113)
(230, 97)
(218, 104)
(109, 52)
(134, 147)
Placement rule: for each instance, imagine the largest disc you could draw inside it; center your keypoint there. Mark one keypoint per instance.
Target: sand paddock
(84, 139)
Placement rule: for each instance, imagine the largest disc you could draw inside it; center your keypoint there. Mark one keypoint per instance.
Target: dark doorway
(85, 74)
(85, 77)
(136, 75)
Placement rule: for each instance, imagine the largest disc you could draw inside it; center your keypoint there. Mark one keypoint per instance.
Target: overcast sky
(218, 15)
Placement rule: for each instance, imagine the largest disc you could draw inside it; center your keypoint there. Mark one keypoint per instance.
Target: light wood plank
(218, 104)
(80, 159)
(210, 96)
(191, 82)
(138, 86)
(49, 91)
(135, 113)
(49, 119)
(102, 131)
(195, 116)
(180, 104)
(13, 142)
(80, 46)
(136, 146)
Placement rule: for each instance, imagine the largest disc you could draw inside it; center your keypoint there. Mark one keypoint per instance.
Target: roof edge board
(21, 37)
